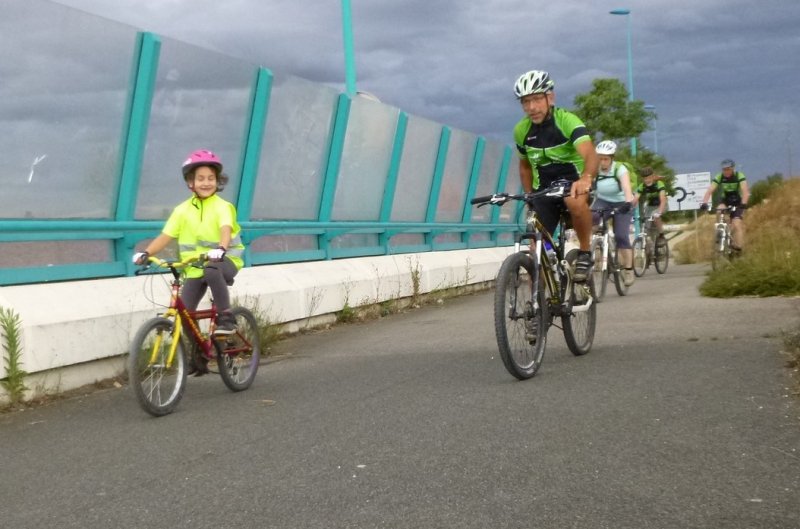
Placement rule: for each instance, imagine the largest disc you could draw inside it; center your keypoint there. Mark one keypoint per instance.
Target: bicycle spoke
(520, 324)
(156, 368)
(239, 354)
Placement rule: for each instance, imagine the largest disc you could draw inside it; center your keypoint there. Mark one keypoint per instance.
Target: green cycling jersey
(731, 187)
(550, 146)
(651, 194)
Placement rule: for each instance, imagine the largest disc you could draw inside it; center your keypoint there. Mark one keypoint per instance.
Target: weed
(14, 382)
(416, 276)
(347, 314)
(268, 331)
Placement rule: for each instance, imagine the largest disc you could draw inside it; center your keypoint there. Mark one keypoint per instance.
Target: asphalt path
(681, 416)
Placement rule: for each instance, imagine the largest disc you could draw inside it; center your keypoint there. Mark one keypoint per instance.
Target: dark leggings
(216, 276)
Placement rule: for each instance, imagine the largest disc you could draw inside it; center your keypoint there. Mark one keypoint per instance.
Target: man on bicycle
(614, 193)
(652, 196)
(554, 144)
(735, 193)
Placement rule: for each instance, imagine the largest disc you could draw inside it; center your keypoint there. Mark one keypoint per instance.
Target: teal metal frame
(123, 232)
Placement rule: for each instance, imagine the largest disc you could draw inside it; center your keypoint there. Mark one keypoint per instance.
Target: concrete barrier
(77, 333)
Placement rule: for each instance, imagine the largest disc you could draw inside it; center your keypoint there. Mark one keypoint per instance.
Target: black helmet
(727, 163)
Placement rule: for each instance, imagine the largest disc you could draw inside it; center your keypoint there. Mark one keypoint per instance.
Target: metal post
(349, 59)
(655, 128)
(627, 13)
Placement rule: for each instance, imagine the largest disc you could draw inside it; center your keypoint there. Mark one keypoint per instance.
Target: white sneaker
(627, 277)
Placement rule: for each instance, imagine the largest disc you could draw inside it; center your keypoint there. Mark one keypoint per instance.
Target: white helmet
(606, 148)
(533, 82)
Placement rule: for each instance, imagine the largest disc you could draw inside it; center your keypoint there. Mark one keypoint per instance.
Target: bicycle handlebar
(558, 189)
(173, 266)
(725, 209)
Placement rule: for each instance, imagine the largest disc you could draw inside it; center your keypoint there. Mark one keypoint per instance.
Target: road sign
(689, 191)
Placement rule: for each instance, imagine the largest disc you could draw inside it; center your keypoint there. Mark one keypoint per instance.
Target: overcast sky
(722, 74)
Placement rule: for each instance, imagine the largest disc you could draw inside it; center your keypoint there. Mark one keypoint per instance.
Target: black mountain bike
(650, 247)
(535, 285)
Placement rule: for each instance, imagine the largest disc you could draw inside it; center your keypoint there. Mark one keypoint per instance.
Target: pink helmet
(201, 157)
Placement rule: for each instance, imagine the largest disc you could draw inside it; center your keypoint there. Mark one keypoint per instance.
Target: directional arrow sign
(689, 191)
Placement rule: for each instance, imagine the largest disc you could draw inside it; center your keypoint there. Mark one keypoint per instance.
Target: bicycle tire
(719, 255)
(579, 326)
(238, 369)
(662, 254)
(614, 266)
(158, 387)
(600, 275)
(520, 329)
(639, 257)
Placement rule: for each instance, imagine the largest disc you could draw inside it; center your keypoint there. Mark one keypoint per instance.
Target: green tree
(761, 189)
(607, 112)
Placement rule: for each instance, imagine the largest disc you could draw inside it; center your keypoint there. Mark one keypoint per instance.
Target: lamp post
(627, 13)
(349, 59)
(655, 128)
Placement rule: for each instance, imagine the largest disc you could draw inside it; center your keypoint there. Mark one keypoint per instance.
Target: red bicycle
(167, 347)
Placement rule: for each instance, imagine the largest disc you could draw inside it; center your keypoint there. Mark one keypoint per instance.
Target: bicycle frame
(536, 232)
(178, 311)
(722, 229)
(182, 315)
(605, 235)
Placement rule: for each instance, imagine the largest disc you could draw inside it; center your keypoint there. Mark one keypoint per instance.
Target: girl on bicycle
(614, 191)
(205, 223)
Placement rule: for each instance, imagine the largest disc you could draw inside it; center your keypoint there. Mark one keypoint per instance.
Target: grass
(14, 382)
(770, 265)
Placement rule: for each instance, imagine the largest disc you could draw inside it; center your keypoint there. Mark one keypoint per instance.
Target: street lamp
(655, 128)
(627, 13)
(349, 59)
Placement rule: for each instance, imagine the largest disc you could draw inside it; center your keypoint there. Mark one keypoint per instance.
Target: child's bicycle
(161, 356)
(534, 285)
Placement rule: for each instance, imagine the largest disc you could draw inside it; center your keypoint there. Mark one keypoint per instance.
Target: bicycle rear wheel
(639, 257)
(616, 270)
(662, 254)
(520, 324)
(157, 381)
(239, 354)
(580, 321)
(600, 275)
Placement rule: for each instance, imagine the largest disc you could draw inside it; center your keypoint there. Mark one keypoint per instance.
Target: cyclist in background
(652, 196)
(554, 144)
(205, 223)
(735, 193)
(614, 191)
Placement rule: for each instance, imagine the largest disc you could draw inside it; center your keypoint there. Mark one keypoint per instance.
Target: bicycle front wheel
(239, 354)
(600, 275)
(580, 320)
(616, 269)
(639, 257)
(662, 254)
(157, 367)
(520, 324)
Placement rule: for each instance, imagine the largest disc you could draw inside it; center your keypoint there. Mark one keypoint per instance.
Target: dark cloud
(721, 73)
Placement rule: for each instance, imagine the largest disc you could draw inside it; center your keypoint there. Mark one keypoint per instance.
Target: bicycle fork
(173, 347)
